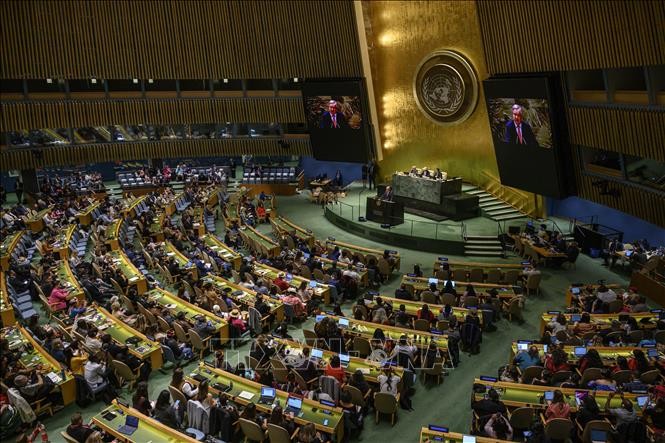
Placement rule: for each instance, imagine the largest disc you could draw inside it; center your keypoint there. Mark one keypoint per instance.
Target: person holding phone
(557, 407)
(625, 413)
(498, 427)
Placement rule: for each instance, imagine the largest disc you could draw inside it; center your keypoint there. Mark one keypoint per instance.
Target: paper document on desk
(55, 378)
(364, 371)
(246, 395)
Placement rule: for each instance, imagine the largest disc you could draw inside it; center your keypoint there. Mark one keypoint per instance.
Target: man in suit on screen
(332, 118)
(519, 131)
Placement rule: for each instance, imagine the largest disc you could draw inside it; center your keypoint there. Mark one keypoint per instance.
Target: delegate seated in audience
(165, 412)
(334, 369)
(624, 414)
(388, 381)
(77, 430)
(498, 427)
(557, 361)
(558, 324)
(178, 381)
(489, 405)
(557, 407)
(140, 400)
(95, 374)
(524, 359)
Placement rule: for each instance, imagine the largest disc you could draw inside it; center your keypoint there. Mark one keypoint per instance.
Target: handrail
(496, 179)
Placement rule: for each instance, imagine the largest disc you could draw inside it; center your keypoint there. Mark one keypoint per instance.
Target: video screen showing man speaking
(334, 112)
(523, 121)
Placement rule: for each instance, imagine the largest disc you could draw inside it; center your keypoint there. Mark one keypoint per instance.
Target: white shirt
(94, 373)
(607, 297)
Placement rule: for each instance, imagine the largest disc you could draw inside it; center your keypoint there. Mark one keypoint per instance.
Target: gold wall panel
(17, 115)
(646, 205)
(638, 132)
(103, 152)
(178, 39)
(400, 34)
(555, 35)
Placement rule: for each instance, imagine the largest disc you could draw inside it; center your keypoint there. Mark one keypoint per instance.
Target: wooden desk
(157, 226)
(321, 290)
(175, 304)
(120, 332)
(180, 258)
(311, 410)
(608, 354)
(6, 307)
(282, 225)
(412, 308)
(36, 222)
(419, 284)
(569, 293)
(429, 436)
(603, 321)
(63, 241)
(133, 275)
(131, 209)
(328, 264)
(259, 242)
(460, 270)
(226, 253)
(7, 248)
(371, 369)
(245, 297)
(66, 277)
(149, 429)
(362, 251)
(198, 221)
(516, 395)
(41, 360)
(543, 252)
(85, 217)
(420, 339)
(112, 232)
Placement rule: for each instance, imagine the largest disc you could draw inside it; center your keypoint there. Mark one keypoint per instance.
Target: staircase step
(490, 206)
(480, 193)
(508, 217)
(484, 253)
(503, 211)
(482, 247)
(488, 199)
(487, 241)
(481, 237)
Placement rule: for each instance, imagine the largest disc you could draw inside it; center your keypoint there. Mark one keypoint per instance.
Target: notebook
(246, 395)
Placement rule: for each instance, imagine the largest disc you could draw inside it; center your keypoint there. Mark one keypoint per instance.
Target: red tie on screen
(334, 121)
(519, 134)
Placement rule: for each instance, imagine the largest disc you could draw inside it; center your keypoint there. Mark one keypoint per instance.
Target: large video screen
(525, 134)
(521, 121)
(336, 120)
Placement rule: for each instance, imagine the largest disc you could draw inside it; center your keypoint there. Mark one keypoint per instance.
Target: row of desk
(321, 290)
(419, 284)
(245, 297)
(7, 247)
(258, 242)
(281, 226)
(603, 321)
(33, 356)
(361, 251)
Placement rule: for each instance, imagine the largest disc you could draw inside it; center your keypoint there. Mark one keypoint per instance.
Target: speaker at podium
(384, 212)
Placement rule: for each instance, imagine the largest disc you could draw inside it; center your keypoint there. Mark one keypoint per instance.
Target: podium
(384, 212)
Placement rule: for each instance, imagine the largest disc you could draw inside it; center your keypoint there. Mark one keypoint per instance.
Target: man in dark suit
(332, 119)
(387, 194)
(519, 131)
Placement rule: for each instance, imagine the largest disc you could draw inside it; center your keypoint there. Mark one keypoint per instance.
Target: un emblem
(445, 87)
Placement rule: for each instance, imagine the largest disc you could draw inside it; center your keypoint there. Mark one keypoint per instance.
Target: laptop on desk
(293, 404)
(344, 360)
(267, 395)
(317, 354)
(130, 426)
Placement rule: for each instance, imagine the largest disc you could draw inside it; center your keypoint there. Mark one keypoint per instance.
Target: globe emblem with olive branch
(445, 87)
(442, 92)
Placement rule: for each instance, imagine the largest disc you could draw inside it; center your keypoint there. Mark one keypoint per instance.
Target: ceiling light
(295, 79)
(49, 80)
(135, 81)
(93, 81)
(226, 80)
(151, 81)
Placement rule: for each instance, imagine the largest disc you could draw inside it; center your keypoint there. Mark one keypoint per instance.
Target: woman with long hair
(557, 408)
(178, 381)
(638, 362)
(140, 400)
(165, 412)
